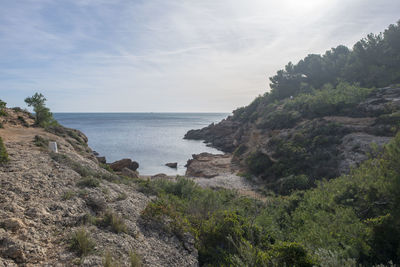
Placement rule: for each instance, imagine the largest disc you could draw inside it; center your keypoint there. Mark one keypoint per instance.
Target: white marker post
(53, 147)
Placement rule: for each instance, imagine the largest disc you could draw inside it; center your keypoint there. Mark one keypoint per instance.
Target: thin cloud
(108, 55)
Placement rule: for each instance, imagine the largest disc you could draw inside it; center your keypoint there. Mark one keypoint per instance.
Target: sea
(151, 139)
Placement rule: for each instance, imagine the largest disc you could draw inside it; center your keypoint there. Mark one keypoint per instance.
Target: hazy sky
(167, 55)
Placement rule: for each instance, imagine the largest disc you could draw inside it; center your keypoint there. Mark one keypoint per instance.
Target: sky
(168, 55)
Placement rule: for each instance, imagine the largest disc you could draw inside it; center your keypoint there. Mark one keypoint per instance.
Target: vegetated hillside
(351, 221)
(320, 117)
(65, 209)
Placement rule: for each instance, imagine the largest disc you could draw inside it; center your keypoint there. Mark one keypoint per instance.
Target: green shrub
(88, 182)
(328, 101)
(291, 254)
(3, 152)
(67, 195)
(258, 163)
(108, 260)
(287, 185)
(135, 259)
(41, 141)
(279, 119)
(90, 219)
(219, 235)
(239, 150)
(113, 220)
(81, 243)
(385, 241)
(106, 167)
(2, 108)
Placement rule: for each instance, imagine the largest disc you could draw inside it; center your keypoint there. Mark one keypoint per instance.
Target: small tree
(43, 116)
(2, 107)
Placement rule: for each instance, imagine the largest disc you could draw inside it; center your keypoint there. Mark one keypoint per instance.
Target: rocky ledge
(209, 165)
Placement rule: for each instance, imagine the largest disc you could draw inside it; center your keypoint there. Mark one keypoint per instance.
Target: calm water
(152, 139)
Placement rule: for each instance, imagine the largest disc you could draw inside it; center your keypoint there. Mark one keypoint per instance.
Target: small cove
(151, 139)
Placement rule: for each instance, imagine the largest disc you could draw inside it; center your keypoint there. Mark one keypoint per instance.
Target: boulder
(13, 224)
(101, 160)
(12, 248)
(130, 173)
(208, 165)
(173, 165)
(124, 163)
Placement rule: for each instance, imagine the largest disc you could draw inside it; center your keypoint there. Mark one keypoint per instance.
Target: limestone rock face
(173, 165)
(208, 165)
(124, 163)
(221, 135)
(355, 148)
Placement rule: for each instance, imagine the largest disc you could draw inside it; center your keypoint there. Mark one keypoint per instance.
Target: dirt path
(20, 134)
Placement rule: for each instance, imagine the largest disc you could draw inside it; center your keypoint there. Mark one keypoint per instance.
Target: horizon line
(193, 112)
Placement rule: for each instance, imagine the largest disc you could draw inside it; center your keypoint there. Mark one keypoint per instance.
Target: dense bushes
(258, 163)
(328, 101)
(222, 222)
(279, 119)
(350, 219)
(355, 215)
(309, 150)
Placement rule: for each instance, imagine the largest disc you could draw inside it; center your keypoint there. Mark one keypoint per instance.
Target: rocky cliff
(306, 135)
(64, 209)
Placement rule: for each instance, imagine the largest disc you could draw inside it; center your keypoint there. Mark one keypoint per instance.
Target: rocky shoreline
(47, 197)
(371, 121)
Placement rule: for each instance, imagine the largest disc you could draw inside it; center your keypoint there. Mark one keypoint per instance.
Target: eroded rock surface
(208, 165)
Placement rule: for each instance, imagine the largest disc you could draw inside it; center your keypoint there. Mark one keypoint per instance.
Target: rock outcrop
(341, 142)
(172, 165)
(119, 165)
(221, 135)
(208, 165)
